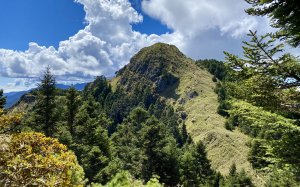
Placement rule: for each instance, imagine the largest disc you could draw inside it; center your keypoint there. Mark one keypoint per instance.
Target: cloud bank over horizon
(201, 29)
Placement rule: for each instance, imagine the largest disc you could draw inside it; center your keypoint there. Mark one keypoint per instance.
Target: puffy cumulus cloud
(205, 28)
(201, 29)
(101, 48)
(191, 17)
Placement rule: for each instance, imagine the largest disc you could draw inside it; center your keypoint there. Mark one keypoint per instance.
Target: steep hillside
(25, 103)
(13, 97)
(190, 90)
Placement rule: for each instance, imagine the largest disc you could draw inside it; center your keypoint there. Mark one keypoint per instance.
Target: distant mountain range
(13, 97)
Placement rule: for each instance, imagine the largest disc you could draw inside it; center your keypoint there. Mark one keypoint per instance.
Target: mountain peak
(161, 47)
(159, 51)
(158, 65)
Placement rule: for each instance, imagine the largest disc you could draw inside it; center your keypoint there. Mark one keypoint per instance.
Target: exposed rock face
(165, 81)
(192, 94)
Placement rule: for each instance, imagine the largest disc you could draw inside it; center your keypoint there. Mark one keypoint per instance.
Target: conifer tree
(45, 107)
(2, 100)
(161, 153)
(93, 147)
(72, 107)
(237, 178)
(194, 166)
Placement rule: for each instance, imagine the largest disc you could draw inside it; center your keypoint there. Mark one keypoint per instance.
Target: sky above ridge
(82, 39)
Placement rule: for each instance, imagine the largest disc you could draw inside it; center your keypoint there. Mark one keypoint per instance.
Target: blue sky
(46, 22)
(82, 39)
(149, 25)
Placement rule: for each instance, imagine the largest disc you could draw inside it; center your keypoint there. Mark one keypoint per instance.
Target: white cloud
(202, 29)
(20, 84)
(191, 17)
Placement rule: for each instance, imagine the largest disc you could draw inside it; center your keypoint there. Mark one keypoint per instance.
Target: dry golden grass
(114, 82)
(224, 147)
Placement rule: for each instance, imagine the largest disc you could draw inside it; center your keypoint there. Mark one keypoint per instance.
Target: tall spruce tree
(161, 153)
(2, 100)
(195, 168)
(45, 107)
(72, 108)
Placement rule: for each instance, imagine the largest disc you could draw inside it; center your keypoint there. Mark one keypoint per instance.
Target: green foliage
(119, 104)
(229, 126)
(99, 89)
(223, 108)
(25, 160)
(266, 85)
(264, 80)
(146, 148)
(216, 68)
(2, 100)
(282, 136)
(161, 153)
(237, 178)
(127, 144)
(258, 154)
(214, 79)
(280, 178)
(284, 15)
(195, 168)
(44, 109)
(91, 142)
(232, 170)
(126, 180)
(72, 107)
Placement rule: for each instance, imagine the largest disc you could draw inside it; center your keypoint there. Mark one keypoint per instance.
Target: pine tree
(72, 107)
(237, 178)
(45, 107)
(194, 166)
(161, 153)
(92, 144)
(127, 144)
(2, 100)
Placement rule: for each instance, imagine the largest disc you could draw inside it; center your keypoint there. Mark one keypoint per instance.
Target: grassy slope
(204, 123)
